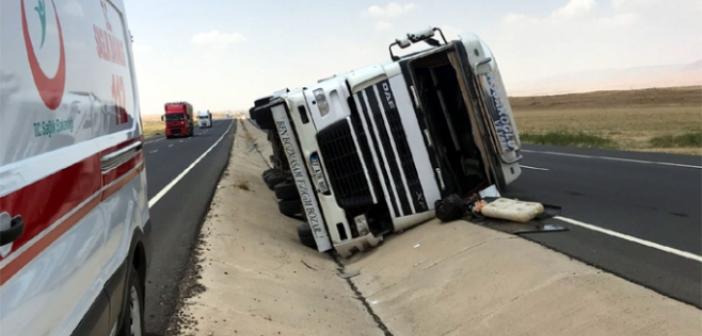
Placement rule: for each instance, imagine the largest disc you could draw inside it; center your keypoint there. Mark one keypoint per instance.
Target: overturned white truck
(369, 152)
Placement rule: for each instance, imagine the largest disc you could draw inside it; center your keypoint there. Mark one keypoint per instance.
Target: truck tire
(270, 171)
(133, 317)
(290, 208)
(273, 179)
(263, 118)
(304, 233)
(286, 191)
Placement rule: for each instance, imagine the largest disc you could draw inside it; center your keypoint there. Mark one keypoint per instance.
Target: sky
(223, 54)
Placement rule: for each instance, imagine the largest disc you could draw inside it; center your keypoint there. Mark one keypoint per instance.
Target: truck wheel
(270, 171)
(286, 191)
(263, 118)
(304, 233)
(273, 179)
(290, 208)
(133, 317)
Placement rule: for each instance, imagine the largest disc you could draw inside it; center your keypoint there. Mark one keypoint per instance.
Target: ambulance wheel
(286, 191)
(133, 318)
(304, 233)
(290, 208)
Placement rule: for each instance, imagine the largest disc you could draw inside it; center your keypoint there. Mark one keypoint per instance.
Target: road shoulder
(459, 278)
(253, 277)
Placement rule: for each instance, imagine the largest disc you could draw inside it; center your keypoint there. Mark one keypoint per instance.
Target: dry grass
(152, 125)
(639, 120)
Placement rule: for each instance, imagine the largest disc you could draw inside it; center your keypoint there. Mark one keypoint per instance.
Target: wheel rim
(134, 312)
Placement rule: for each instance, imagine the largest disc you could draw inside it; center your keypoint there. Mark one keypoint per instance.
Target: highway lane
(178, 208)
(645, 197)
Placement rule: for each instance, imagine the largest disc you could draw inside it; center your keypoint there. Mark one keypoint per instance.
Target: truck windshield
(174, 117)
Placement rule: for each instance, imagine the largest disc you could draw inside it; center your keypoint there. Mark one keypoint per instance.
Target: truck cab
(371, 151)
(178, 119)
(204, 119)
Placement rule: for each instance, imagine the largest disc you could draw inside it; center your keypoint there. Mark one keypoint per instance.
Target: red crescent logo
(50, 89)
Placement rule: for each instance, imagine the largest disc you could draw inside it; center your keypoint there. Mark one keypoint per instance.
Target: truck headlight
(318, 174)
(321, 100)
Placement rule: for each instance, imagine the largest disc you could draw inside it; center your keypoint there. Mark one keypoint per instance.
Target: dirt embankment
(252, 275)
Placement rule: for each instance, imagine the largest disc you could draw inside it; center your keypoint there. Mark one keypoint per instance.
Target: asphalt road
(644, 197)
(177, 209)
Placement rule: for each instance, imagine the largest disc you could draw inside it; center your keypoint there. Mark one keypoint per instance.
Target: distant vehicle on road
(204, 119)
(74, 215)
(179, 120)
(369, 152)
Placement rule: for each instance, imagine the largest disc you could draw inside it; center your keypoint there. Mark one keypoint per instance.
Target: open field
(662, 120)
(152, 125)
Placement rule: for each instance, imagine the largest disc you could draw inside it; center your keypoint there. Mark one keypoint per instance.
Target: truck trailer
(369, 152)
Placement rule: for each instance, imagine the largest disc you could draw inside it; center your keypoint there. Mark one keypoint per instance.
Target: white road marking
(534, 168)
(153, 151)
(610, 158)
(180, 176)
(632, 239)
(170, 146)
(152, 140)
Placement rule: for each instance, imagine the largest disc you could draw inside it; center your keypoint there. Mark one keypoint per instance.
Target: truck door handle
(15, 231)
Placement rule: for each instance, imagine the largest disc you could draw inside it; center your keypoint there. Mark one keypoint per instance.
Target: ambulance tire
(286, 191)
(304, 233)
(133, 319)
(290, 208)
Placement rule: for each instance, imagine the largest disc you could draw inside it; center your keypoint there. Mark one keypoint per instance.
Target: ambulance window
(113, 43)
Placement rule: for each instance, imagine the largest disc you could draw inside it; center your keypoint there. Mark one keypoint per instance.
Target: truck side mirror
(163, 117)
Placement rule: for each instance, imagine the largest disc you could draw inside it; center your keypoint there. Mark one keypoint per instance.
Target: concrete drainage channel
(337, 260)
(360, 297)
(455, 278)
(341, 267)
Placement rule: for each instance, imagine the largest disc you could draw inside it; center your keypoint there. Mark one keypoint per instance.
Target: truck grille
(343, 165)
(384, 133)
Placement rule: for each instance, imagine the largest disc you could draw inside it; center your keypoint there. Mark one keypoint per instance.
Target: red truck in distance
(179, 120)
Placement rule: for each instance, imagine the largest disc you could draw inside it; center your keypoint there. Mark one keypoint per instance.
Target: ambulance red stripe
(78, 188)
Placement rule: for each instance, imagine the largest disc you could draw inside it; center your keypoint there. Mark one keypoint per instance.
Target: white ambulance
(74, 216)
